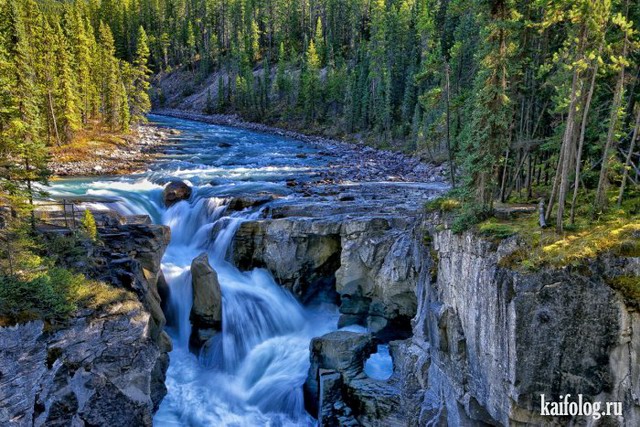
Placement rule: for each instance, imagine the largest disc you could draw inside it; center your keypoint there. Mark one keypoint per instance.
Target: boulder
(206, 311)
(174, 192)
(341, 351)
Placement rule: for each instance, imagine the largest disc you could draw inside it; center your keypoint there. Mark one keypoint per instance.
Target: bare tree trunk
(504, 175)
(541, 220)
(583, 127)
(554, 188)
(568, 148)
(628, 159)
(601, 194)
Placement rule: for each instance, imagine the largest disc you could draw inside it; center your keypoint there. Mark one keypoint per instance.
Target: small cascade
(260, 359)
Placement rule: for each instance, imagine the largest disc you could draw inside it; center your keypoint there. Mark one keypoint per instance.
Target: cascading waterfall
(251, 373)
(259, 361)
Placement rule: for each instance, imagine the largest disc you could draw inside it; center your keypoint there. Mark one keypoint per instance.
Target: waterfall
(259, 361)
(251, 373)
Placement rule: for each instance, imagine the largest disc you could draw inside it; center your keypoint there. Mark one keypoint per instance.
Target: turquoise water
(252, 373)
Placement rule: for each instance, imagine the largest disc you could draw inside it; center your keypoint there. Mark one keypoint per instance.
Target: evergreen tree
(311, 83)
(139, 102)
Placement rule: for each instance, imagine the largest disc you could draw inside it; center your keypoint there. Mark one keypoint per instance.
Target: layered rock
(206, 311)
(131, 259)
(359, 251)
(103, 367)
(103, 370)
(489, 340)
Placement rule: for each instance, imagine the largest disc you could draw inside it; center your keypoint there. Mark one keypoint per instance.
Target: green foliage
(444, 204)
(53, 296)
(629, 287)
(44, 297)
(470, 215)
(89, 225)
(496, 230)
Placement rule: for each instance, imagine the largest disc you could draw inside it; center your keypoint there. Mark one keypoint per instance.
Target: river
(251, 374)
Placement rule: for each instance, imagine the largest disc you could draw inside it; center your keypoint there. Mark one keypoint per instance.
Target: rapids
(252, 373)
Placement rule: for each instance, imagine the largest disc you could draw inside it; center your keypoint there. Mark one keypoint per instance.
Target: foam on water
(250, 374)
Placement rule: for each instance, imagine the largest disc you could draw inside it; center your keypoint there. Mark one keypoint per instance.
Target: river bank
(349, 161)
(111, 155)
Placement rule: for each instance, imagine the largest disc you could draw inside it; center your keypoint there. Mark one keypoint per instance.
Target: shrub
(53, 295)
(43, 297)
(89, 225)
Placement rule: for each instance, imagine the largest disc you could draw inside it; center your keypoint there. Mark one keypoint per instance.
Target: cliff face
(497, 339)
(361, 252)
(486, 339)
(100, 368)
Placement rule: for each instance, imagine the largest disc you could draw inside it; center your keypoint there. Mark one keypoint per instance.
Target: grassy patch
(444, 204)
(53, 295)
(496, 230)
(88, 145)
(629, 287)
(616, 233)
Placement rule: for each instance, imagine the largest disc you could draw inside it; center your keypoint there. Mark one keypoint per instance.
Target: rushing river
(252, 373)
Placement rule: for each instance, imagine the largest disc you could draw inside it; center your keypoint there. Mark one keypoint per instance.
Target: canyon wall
(104, 367)
(474, 340)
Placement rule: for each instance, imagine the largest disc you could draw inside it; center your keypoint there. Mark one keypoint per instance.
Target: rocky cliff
(486, 340)
(359, 251)
(103, 367)
(490, 340)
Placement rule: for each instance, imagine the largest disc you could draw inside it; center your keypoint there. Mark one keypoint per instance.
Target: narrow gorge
(291, 283)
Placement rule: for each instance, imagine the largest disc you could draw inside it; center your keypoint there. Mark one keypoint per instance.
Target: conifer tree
(139, 102)
(311, 83)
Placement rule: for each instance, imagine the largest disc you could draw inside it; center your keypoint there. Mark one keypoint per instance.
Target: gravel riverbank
(350, 162)
(141, 146)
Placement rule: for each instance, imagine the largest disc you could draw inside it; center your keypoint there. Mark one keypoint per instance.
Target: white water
(250, 374)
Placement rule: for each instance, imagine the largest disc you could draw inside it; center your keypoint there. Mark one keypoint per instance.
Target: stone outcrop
(206, 311)
(361, 252)
(303, 255)
(174, 192)
(104, 367)
(338, 390)
(131, 259)
(103, 370)
(489, 339)
(474, 341)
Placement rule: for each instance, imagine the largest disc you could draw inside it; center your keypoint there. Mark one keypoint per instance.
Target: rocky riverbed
(140, 148)
(349, 162)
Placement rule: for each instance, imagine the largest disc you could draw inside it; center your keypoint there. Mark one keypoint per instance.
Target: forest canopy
(523, 99)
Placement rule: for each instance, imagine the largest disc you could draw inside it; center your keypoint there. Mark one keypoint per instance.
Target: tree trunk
(628, 159)
(583, 127)
(568, 140)
(601, 194)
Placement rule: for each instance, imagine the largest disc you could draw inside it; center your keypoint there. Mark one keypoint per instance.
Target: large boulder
(341, 351)
(206, 311)
(174, 192)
